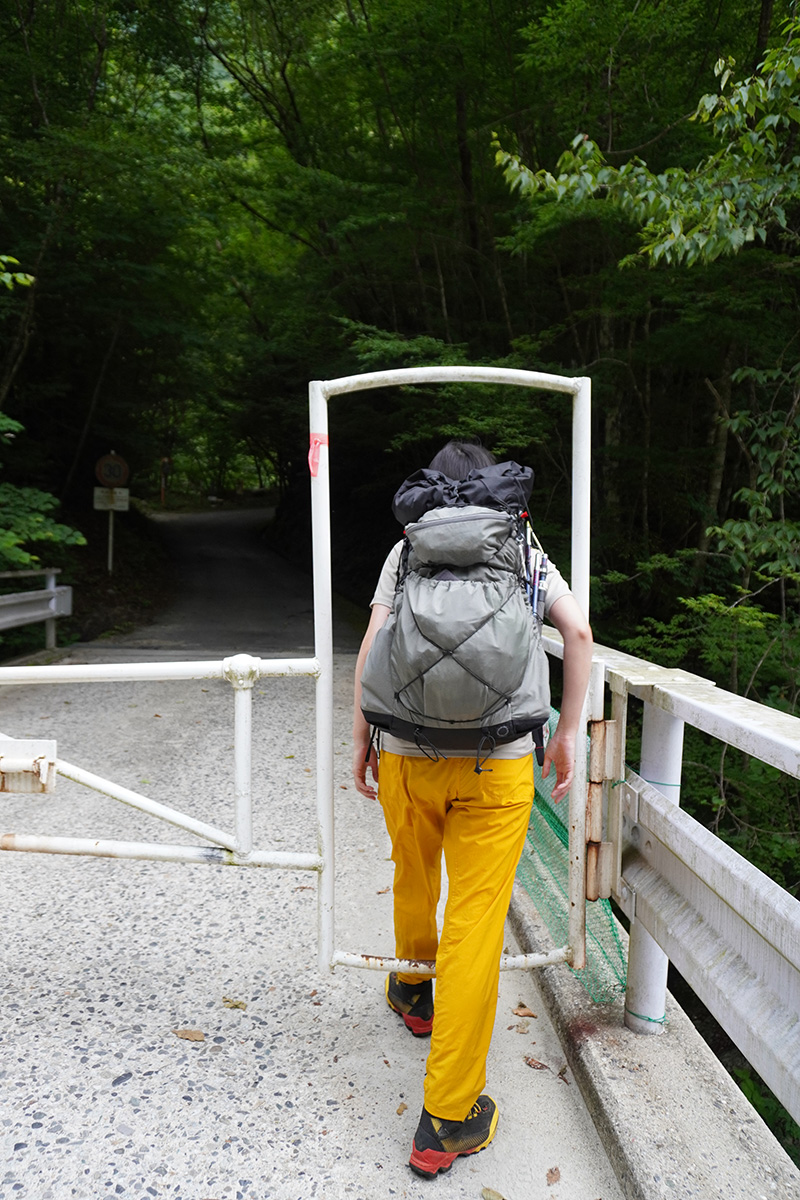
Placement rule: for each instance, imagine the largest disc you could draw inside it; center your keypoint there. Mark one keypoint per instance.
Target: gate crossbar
(227, 849)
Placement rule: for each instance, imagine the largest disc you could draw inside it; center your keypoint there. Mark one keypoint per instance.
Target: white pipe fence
(579, 389)
(242, 671)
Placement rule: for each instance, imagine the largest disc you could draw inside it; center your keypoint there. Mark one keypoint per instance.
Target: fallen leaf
(522, 1027)
(403, 1108)
(490, 1194)
(553, 1176)
(313, 993)
(522, 1010)
(537, 1066)
(156, 714)
(226, 1000)
(562, 1075)
(190, 1035)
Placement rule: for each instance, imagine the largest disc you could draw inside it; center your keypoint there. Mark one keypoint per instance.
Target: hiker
(472, 803)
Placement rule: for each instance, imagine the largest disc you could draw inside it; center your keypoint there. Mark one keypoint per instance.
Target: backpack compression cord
(459, 663)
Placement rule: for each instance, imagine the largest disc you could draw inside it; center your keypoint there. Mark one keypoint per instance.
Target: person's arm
(570, 622)
(380, 613)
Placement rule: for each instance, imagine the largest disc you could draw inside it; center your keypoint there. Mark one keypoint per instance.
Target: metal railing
(578, 390)
(731, 931)
(28, 608)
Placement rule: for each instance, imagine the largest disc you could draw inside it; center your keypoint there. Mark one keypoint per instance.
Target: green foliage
(767, 540)
(10, 277)
(731, 198)
(26, 520)
(25, 516)
(772, 1112)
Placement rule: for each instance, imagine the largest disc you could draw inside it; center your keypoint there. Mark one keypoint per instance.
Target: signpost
(113, 472)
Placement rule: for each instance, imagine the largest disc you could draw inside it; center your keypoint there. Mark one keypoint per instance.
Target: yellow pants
(480, 822)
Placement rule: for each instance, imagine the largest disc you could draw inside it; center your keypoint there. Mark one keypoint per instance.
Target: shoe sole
(419, 1026)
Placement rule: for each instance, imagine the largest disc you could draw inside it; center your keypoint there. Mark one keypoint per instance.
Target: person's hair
(457, 458)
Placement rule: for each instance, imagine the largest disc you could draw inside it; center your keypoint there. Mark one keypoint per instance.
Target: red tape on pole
(317, 440)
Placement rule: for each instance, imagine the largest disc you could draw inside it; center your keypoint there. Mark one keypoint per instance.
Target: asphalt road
(235, 594)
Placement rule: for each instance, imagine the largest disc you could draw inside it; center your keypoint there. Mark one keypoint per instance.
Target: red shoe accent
(430, 1162)
(418, 1025)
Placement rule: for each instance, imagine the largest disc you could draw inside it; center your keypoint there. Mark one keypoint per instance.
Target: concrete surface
(311, 1090)
(233, 593)
(671, 1119)
(314, 1088)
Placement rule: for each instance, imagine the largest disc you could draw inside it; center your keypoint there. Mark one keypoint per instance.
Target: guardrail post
(50, 623)
(646, 991)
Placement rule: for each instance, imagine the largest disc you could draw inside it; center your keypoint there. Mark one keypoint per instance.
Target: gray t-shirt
(557, 587)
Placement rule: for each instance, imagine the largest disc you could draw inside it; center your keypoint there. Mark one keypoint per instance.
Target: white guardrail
(28, 608)
(731, 931)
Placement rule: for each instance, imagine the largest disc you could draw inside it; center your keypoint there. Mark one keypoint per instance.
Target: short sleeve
(387, 580)
(557, 587)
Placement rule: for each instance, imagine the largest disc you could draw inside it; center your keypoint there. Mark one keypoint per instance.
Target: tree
(730, 198)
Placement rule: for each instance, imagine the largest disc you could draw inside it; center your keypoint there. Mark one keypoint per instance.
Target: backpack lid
(504, 485)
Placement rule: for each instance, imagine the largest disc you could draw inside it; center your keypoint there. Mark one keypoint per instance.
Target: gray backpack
(459, 663)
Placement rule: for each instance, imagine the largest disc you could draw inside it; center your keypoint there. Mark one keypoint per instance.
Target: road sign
(112, 499)
(112, 471)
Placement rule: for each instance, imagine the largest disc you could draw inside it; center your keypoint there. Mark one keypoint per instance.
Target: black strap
(374, 734)
(424, 743)
(479, 764)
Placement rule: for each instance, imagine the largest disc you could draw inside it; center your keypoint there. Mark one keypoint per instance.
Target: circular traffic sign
(112, 471)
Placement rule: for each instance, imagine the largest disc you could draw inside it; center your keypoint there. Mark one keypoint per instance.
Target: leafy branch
(732, 197)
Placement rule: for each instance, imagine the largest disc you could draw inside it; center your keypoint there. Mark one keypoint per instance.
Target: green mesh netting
(543, 872)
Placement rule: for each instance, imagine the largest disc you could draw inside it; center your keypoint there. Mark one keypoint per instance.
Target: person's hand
(361, 764)
(561, 753)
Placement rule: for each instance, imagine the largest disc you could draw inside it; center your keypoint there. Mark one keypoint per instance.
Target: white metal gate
(235, 847)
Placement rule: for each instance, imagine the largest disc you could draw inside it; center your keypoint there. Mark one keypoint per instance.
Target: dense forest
(203, 206)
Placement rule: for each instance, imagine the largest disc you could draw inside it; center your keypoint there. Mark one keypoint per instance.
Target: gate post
(646, 990)
(323, 653)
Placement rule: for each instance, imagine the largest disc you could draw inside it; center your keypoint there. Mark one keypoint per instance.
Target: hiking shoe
(437, 1143)
(413, 1002)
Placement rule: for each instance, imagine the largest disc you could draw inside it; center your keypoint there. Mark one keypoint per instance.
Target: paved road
(304, 1085)
(234, 593)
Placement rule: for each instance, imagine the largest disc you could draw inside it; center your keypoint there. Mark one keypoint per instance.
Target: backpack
(459, 663)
